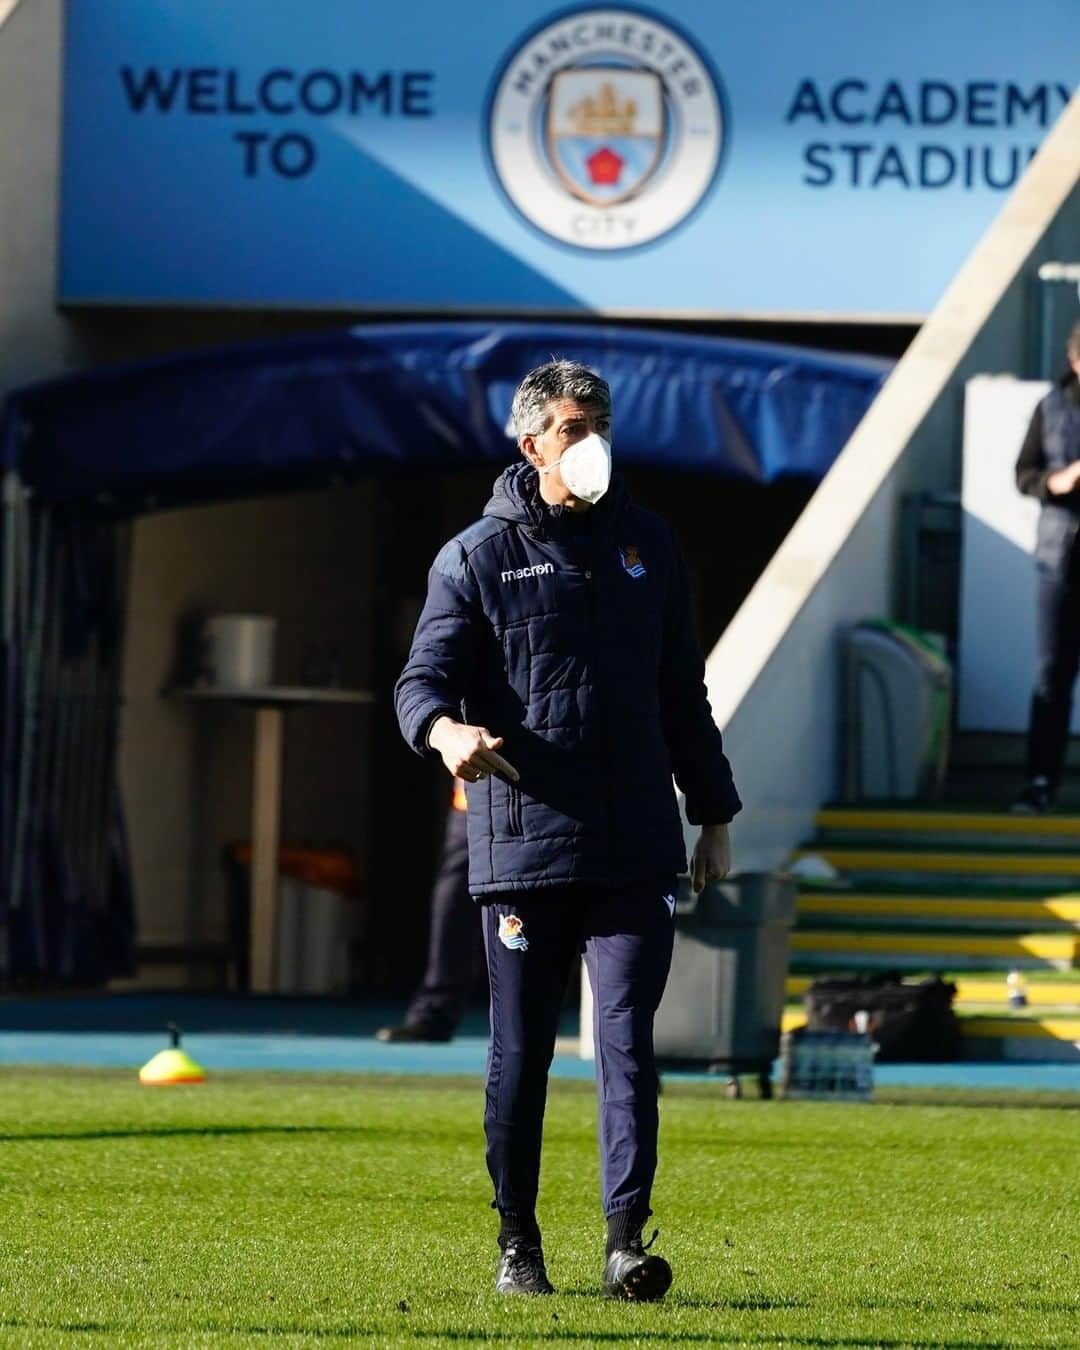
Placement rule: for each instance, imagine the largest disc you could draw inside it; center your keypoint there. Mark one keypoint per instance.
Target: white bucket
(312, 940)
(238, 650)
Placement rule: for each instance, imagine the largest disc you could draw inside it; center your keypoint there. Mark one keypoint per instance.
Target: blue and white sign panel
(752, 157)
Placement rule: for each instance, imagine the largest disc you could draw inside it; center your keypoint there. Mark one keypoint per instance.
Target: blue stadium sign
(752, 157)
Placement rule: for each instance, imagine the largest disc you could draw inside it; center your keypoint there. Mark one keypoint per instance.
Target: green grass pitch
(256, 1211)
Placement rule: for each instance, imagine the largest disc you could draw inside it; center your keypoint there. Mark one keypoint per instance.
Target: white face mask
(585, 468)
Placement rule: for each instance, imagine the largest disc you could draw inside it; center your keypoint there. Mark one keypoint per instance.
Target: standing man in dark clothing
(438, 1006)
(1049, 469)
(557, 670)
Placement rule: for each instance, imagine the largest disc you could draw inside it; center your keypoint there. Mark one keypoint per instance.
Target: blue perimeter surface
(464, 1055)
(304, 1035)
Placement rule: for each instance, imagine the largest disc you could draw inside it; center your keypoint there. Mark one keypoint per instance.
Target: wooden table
(270, 704)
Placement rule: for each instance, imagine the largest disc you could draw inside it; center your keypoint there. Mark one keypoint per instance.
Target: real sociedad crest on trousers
(605, 128)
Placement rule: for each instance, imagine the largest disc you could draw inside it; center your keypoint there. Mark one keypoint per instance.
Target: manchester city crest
(605, 131)
(606, 128)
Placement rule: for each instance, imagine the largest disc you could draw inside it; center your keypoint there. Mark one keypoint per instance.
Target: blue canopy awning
(219, 423)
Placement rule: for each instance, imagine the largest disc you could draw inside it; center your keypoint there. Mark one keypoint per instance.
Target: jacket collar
(516, 497)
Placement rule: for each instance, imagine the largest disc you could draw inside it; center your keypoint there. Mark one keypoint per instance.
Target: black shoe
(631, 1273)
(1035, 800)
(521, 1269)
(413, 1032)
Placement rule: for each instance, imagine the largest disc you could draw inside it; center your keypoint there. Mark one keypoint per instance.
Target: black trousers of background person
(1058, 658)
(454, 950)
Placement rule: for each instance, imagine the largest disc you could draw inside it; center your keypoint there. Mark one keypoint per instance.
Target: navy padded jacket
(573, 638)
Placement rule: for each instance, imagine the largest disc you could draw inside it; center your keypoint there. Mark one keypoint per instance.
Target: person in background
(556, 668)
(1049, 470)
(437, 1007)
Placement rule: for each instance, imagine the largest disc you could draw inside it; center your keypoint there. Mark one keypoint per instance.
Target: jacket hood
(516, 497)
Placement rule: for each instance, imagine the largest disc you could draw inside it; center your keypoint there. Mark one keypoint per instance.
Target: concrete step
(942, 889)
(821, 908)
(1043, 1039)
(996, 869)
(844, 949)
(988, 989)
(943, 828)
(1040, 1039)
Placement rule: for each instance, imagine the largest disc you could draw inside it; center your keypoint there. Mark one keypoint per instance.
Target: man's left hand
(712, 857)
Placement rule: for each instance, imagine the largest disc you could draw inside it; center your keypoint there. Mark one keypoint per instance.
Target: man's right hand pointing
(1064, 480)
(469, 752)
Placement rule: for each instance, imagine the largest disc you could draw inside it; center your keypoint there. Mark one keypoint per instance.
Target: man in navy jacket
(556, 669)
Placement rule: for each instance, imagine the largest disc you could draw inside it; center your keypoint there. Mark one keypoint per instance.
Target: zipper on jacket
(513, 809)
(607, 731)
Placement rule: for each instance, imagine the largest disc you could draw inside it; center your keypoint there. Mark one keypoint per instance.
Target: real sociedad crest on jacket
(631, 561)
(606, 128)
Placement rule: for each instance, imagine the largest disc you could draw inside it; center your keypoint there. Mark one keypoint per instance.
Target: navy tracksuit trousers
(626, 933)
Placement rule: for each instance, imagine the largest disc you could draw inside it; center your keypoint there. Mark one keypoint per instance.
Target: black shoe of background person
(521, 1269)
(1035, 800)
(412, 1033)
(632, 1274)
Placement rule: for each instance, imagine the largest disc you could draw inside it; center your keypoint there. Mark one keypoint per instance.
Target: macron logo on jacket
(537, 570)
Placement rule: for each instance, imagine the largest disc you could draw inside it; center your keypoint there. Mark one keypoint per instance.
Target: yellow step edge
(1038, 991)
(983, 1009)
(1056, 1028)
(1045, 946)
(960, 821)
(1060, 1028)
(944, 907)
(1000, 864)
(976, 991)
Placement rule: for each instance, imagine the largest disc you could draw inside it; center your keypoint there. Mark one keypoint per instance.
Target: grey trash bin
(725, 994)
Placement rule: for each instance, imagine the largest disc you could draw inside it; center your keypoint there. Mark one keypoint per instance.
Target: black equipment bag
(912, 1021)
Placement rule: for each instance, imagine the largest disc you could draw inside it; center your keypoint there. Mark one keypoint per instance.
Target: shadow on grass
(982, 1098)
(885, 1343)
(215, 1131)
(747, 1303)
(752, 1303)
(980, 1307)
(1028, 1099)
(207, 1328)
(714, 1338)
(189, 1329)
(514, 1336)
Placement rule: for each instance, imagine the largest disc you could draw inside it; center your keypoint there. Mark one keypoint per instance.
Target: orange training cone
(171, 1067)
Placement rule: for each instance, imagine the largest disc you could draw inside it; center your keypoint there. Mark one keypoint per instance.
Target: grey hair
(555, 380)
